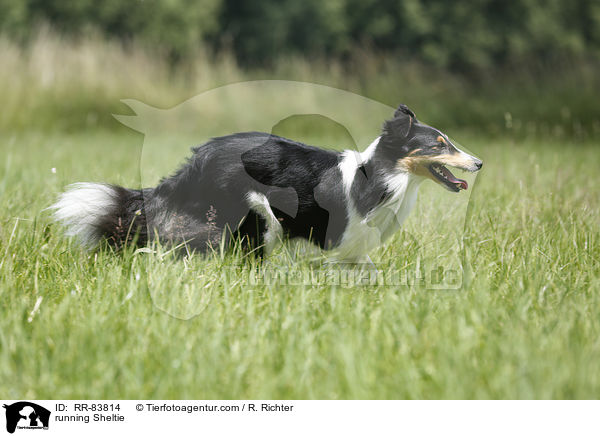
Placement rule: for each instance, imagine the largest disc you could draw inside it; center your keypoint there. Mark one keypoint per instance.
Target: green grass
(525, 324)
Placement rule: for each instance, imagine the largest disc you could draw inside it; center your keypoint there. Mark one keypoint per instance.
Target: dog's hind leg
(260, 228)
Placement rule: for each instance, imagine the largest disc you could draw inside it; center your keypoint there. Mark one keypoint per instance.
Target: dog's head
(424, 151)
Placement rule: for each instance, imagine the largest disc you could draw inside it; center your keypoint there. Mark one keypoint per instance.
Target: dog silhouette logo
(26, 415)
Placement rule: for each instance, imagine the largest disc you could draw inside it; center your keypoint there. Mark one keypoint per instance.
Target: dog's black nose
(479, 164)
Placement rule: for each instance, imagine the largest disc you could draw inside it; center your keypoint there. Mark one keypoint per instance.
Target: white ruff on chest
(365, 233)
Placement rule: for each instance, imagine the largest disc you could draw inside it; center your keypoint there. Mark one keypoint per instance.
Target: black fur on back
(208, 195)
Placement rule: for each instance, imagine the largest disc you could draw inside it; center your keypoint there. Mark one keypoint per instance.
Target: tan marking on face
(453, 160)
(418, 165)
(413, 163)
(442, 140)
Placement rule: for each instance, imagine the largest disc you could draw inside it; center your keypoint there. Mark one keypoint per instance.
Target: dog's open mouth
(446, 178)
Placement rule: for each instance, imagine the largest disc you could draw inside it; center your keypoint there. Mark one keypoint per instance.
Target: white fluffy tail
(83, 208)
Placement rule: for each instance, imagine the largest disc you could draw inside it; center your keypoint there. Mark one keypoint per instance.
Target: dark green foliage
(262, 31)
(461, 35)
(176, 26)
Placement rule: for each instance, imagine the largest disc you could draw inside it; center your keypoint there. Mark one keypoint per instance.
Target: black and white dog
(259, 189)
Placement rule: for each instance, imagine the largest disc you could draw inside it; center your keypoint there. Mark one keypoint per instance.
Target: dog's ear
(404, 110)
(400, 125)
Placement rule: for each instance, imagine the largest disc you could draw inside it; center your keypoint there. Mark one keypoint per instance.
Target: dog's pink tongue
(462, 183)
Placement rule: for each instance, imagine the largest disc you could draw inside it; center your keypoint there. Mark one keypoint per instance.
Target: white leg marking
(260, 204)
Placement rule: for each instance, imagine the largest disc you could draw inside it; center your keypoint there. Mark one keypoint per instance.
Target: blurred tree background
(461, 35)
(484, 48)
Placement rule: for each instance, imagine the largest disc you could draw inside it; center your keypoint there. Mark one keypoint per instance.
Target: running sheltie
(260, 189)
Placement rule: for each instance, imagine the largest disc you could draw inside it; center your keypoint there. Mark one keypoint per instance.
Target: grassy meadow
(142, 324)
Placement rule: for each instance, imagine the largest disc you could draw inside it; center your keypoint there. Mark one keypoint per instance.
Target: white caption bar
(299, 417)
